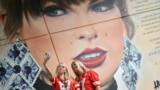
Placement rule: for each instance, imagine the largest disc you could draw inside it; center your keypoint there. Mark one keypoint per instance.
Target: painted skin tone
(101, 43)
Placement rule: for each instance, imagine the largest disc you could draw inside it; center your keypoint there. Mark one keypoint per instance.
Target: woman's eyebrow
(50, 3)
(102, 1)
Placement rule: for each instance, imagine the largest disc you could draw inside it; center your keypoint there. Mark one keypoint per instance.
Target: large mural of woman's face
(91, 31)
(86, 32)
(96, 32)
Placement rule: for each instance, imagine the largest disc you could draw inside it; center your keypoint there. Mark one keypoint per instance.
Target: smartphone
(47, 54)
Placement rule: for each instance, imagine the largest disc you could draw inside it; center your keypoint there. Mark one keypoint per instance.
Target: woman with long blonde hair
(88, 79)
(62, 80)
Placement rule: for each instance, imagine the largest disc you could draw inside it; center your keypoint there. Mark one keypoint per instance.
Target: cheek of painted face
(33, 28)
(67, 45)
(111, 39)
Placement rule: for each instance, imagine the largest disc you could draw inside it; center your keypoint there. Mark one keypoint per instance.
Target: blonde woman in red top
(88, 79)
(62, 80)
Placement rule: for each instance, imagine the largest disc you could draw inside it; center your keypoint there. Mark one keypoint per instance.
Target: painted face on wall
(87, 32)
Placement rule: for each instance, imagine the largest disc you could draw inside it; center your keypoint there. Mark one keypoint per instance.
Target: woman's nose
(87, 33)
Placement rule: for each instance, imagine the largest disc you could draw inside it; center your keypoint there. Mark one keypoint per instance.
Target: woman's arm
(45, 66)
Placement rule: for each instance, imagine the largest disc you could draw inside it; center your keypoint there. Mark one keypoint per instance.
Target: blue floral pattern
(18, 68)
(18, 83)
(30, 69)
(130, 64)
(5, 72)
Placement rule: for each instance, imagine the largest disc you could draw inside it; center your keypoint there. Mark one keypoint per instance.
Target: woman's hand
(47, 57)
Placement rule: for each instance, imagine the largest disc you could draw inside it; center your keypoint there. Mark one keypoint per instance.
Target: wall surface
(100, 40)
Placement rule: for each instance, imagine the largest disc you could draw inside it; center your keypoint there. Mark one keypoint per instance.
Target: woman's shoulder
(92, 72)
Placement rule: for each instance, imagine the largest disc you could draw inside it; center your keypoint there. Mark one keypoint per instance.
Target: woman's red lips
(92, 57)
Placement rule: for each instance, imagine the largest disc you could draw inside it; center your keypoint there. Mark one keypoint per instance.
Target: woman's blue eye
(54, 11)
(102, 7)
